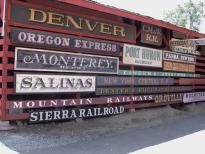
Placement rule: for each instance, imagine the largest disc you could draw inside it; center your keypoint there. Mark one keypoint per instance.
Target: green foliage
(188, 15)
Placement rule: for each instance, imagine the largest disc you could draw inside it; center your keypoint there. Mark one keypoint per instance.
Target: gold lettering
(33, 15)
(55, 19)
(76, 24)
(105, 28)
(120, 30)
(89, 25)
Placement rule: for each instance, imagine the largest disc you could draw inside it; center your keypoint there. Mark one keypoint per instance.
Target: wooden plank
(30, 104)
(27, 60)
(69, 23)
(141, 56)
(49, 40)
(51, 83)
(159, 74)
(134, 81)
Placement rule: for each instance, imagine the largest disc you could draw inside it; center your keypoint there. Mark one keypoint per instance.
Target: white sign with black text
(137, 55)
(39, 83)
(194, 97)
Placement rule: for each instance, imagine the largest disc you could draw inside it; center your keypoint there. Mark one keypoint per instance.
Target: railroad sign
(48, 83)
(178, 57)
(29, 104)
(42, 39)
(178, 67)
(68, 22)
(159, 74)
(136, 81)
(193, 97)
(185, 50)
(184, 43)
(141, 56)
(54, 61)
(151, 34)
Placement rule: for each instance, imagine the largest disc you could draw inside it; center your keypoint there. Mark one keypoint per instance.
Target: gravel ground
(58, 134)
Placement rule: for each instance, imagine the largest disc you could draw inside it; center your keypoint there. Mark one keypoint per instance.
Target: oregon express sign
(42, 39)
(137, 55)
(73, 24)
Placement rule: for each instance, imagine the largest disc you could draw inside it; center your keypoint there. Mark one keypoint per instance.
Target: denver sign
(70, 23)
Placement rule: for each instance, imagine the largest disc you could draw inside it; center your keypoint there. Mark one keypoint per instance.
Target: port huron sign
(141, 56)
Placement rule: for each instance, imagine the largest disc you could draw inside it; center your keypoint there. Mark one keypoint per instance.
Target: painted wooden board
(141, 56)
(72, 23)
(159, 74)
(125, 81)
(57, 41)
(48, 83)
(54, 61)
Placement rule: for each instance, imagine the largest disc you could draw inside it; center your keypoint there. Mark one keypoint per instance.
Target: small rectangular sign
(71, 22)
(53, 61)
(141, 56)
(42, 39)
(183, 43)
(185, 50)
(199, 41)
(178, 67)
(141, 90)
(193, 97)
(176, 97)
(125, 81)
(39, 83)
(73, 113)
(29, 104)
(151, 35)
(178, 57)
(160, 74)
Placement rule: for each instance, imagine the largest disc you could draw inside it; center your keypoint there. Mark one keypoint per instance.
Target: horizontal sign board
(44, 60)
(178, 67)
(123, 81)
(68, 114)
(151, 34)
(42, 39)
(194, 97)
(48, 18)
(178, 57)
(141, 56)
(78, 102)
(169, 98)
(199, 41)
(185, 50)
(141, 90)
(159, 74)
(38, 83)
(185, 81)
(183, 43)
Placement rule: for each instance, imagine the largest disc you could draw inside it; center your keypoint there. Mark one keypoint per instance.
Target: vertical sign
(151, 35)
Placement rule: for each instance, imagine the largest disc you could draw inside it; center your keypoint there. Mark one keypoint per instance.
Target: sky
(152, 8)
